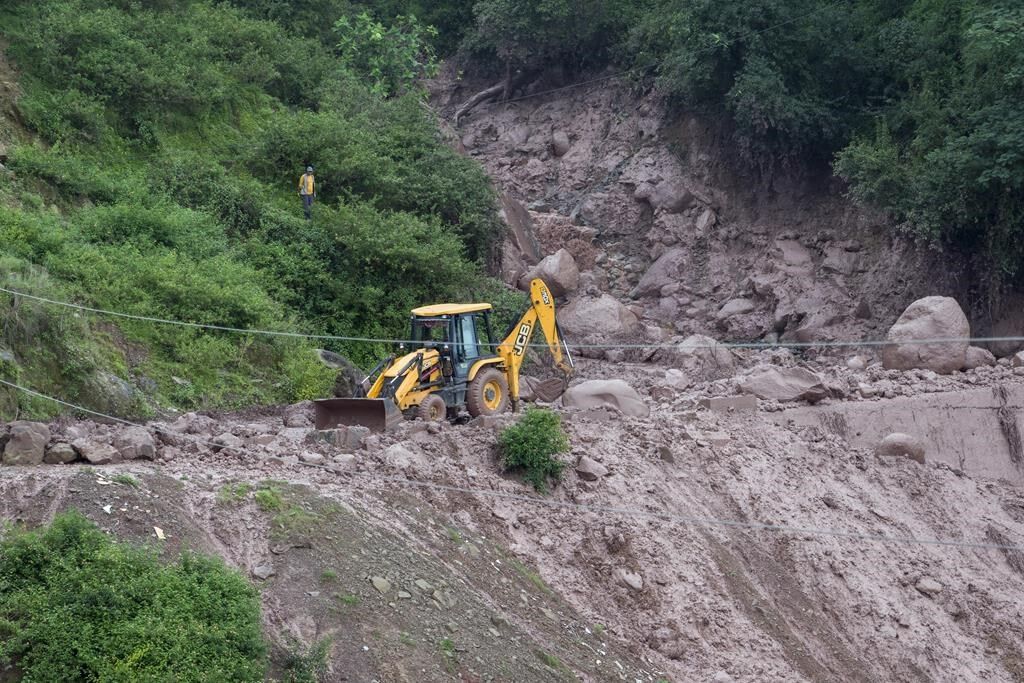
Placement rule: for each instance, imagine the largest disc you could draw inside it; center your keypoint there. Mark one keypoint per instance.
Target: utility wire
(386, 483)
(571, 345)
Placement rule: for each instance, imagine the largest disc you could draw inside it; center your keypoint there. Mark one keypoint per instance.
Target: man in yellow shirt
(307, 190)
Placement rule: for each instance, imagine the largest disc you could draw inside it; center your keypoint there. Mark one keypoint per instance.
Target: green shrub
(77, 606)
(269, 499)
(531, 444)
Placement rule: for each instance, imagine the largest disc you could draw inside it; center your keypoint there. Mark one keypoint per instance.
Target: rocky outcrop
(937, 319)
(612, 393)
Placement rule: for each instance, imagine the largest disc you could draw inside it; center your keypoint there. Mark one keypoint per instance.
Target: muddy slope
(630, 576)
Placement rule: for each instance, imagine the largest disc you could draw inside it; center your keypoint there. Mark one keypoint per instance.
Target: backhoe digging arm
(513, 349)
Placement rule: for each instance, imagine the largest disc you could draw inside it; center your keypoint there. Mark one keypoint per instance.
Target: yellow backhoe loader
(454, 363)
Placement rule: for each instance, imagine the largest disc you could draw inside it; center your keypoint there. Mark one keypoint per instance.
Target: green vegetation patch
(530, 446)
(75, 605)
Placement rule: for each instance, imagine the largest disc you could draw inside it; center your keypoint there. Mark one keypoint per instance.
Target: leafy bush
(531, 444)
(77, 606)
(392, 58)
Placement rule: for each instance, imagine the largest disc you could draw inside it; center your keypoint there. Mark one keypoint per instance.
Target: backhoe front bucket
(378, 414)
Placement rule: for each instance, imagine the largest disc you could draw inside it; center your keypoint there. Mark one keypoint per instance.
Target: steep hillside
(151, 165)
(647, 203)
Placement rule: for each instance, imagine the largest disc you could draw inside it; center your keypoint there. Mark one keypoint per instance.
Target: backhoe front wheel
(432, 409)
(487, 394)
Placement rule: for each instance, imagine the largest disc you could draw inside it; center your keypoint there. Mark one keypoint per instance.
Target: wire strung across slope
(331, 337)
(385, 483)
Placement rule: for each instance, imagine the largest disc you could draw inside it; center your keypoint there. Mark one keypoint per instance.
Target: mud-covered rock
(700, 357)
(665, 271)
(602, 316)
(560, 144)
(977, 357)
(298, 414)
(930, 318)
(558, 271)
(60, 453)
(96, 453)
(26, 443)
(598, 393)
(134, 443)
(785, 384)
(589, 469)
(898, 444)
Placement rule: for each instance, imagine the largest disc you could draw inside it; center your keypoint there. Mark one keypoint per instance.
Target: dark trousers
(307, 206)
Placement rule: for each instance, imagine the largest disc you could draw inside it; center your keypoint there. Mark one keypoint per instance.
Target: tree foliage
(77, 606)
(393, 58)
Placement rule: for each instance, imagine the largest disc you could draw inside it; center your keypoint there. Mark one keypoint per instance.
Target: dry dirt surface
(655, 568)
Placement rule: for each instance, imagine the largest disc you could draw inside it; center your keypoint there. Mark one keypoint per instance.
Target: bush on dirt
(78, 605)
(531, 444)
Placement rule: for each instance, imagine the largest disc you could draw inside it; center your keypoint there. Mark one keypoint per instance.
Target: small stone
(263, 572)
(589, 469)
(311, 458)
(227, 440)
(404, 595)
(857, 363)
(633, 580)
(494, 632)
(665, 453)
(928, 586)
(381, 584)
(424, 585)
(722, 677)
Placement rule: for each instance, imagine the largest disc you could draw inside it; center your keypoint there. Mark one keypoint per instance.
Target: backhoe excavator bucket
(550, 389)
(378, 414)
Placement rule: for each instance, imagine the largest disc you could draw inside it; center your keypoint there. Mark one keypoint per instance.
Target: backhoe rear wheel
(432, 409)
(487, 394)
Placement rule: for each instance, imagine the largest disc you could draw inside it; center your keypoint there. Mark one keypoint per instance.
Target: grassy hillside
(154, 169)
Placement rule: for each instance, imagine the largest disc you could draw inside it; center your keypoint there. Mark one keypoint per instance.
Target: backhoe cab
(453, 362)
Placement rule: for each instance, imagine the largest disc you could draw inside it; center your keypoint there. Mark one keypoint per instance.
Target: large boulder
(784, 384)
(603, 393)
(134, 443)
(26, 443)
(930, 318)
(602, 316)
(701, 358)
(558, 271)
(96, 453)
